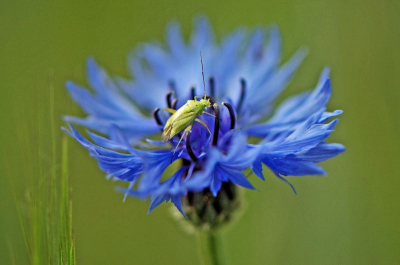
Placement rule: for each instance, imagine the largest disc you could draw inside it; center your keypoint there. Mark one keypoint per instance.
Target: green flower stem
(210, 248)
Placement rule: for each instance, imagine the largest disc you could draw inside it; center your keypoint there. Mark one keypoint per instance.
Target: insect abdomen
(166, 133)
(181, 119)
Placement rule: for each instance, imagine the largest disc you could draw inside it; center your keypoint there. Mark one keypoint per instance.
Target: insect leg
(209, 114)
(172, 111)
(183, 135)
(205, 125)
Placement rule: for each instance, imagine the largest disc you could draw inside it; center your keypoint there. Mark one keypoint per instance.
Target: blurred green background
(350, 217)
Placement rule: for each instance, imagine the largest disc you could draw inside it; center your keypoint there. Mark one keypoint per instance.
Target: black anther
(231, 114)
(216, 123)
(156, 117)
(169, 98)
(189, 148)
(193, 92)
(212, 100)
(211, 83)
(242, 95)
(171, 85)
(173, 104)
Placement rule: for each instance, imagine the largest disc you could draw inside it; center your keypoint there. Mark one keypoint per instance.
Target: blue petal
(237, 146)
(106, 143)
(175, 41)
(117, 135)
(257, 168)
(255, 46)
(270, 164)
(107, 90)
(132, 130)
(237, 177)
(108, 106)
(127, 167)
(150, 99)
(292, 139)
(157, 200)
(164, 192)
(215, 186)
(269, 91)
(155, 162)
(271, 56)
(292, 167)
(296, 110)
(177, 201)
(157, 59)
(321, 152)
(202, 36)
(243, 161)
(85, 99)
(327, 115)
(198, 182)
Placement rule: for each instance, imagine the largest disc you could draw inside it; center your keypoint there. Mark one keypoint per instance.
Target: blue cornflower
(244, 79)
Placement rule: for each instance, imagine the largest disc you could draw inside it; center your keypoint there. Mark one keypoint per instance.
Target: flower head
(244, 77)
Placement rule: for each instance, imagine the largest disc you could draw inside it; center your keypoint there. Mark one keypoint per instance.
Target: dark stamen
(174, 102)
(242, 95)
(211, 83)
(189, 148)
(212, 100)
(156, 117)
(169, 98)
(216, 123)
(231, 114)
(193, 92)
(172, 85)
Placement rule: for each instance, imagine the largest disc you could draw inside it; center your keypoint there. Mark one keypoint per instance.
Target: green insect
(183, 118)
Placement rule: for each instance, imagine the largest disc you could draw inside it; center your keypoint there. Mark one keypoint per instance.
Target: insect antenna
(202, 72)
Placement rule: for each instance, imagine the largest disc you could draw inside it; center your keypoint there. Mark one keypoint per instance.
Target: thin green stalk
(67, 251)
(210, 248)
(54, 200)
(45, 216)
